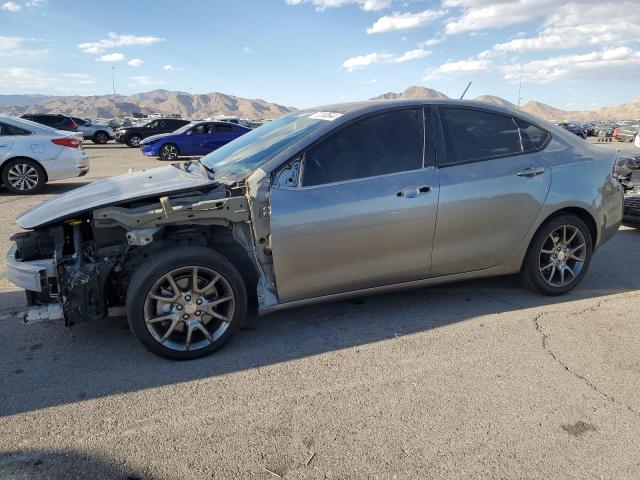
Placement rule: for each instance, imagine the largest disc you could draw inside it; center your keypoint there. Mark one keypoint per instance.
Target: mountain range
(623, 111)
(166, 102)
(205, 105)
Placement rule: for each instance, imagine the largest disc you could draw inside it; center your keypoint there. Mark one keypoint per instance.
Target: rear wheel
(23, 176)
(187, 304)
(558, 256)
(169, 151)
(100, 138)
(134, 141)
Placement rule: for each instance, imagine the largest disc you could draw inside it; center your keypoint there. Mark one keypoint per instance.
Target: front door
(363, 214)
(493, 184)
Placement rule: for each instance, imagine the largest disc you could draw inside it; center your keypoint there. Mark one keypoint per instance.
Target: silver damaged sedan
(320, 205)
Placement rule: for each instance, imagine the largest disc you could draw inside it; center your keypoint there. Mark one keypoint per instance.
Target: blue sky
(575, 54)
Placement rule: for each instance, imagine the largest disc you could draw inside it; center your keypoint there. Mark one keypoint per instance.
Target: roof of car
(357, 108)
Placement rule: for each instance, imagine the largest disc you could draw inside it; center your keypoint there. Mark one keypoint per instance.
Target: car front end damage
(78, 268)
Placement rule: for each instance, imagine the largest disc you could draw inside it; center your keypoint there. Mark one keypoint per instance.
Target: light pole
(113, 81)
(520, 87)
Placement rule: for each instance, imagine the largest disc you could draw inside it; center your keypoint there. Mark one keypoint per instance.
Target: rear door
(363, 213)
(493, 183)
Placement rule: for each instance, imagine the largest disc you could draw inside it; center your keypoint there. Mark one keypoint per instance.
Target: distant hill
(625, 111)
(413, 92)
(156, 101)
(501, 102)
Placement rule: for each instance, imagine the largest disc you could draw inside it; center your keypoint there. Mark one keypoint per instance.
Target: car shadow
(67, 464)
(48, 364)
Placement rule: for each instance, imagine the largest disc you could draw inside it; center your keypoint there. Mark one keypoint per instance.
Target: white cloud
(404, 21)
(136, 62)
(370, 82)
(24, 79)
(171, 68)
(620, 63)
(111, 57)
(366, 5)
(570, 25)
(471, 65)
(432, 41)
(482, 14)
(247, 49)
(144, 81)
(115, 40)
(80, 78)
(11, 7)
(14, 46)
(362, 61)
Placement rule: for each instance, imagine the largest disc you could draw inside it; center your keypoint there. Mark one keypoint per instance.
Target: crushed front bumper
(33, 275)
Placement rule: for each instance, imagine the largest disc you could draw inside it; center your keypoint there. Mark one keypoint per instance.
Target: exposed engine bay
(87, 260)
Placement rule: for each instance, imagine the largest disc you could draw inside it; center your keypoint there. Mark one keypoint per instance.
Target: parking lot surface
(471, 380)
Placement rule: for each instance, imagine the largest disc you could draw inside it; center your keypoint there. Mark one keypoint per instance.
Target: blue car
(196, 138)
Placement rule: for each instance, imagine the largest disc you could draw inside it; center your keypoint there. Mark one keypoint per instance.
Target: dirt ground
(472, 380)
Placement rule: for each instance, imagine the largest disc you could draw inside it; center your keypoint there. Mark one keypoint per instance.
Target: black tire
(154, 270)
(100, 137)
(33, 172)
(134, 141)
(169, 151)
(530, 274)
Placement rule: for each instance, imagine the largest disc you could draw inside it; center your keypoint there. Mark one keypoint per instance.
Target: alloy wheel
(563, 255)
(134, 141)
(189, 308)
(169, 152)
(23, 177)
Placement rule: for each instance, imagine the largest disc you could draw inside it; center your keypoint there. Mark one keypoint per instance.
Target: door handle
(412, 192)
(531, 172)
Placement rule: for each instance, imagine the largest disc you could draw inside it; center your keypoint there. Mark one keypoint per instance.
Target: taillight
(68, 142)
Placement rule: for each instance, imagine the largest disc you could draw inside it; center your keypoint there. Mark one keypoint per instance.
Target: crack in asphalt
(544, 336)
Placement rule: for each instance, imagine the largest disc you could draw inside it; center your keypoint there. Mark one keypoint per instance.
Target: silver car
(320, 205)
(97, 133)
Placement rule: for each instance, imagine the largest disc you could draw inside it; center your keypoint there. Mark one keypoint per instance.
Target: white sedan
(32, 154)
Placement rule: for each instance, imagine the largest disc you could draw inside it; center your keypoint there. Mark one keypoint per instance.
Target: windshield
(248, 152)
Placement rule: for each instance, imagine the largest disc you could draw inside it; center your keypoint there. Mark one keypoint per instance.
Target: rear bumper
(32, 275)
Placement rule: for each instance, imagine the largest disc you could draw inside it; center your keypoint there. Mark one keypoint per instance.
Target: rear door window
(385, 143)
(533, 138)
(223, 128)
(472, 135)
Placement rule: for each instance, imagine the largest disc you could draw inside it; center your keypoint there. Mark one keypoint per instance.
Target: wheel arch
(218, 239)
(583, 215)
(24, 157)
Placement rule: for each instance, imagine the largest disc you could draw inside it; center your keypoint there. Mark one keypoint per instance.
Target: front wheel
(558, 256)
(186, 302)
(169, 152)
(134, 141)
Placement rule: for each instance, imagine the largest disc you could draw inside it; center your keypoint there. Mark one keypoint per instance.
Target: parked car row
(98, 133)
(623, 131)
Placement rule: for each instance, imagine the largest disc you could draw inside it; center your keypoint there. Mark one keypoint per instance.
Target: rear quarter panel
(581, 178)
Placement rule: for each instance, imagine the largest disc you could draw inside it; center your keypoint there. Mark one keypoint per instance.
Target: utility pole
(520, 87)
(113, 81)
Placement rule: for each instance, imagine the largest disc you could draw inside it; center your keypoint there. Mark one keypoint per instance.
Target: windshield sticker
(328, 116)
